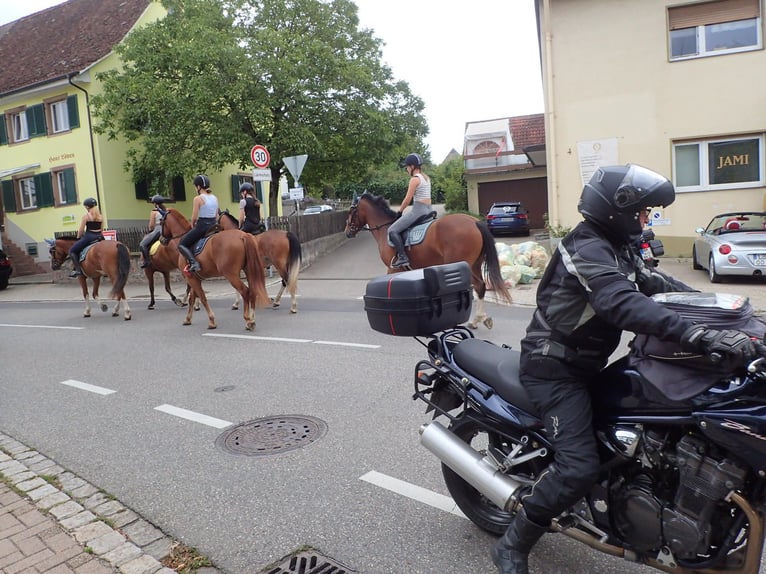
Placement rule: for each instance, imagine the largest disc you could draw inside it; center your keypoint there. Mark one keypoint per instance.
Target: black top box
(420, 302)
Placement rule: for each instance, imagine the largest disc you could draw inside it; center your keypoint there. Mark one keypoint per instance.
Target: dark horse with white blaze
(451, 238)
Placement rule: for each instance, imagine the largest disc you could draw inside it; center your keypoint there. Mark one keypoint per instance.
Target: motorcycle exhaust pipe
(470, 465)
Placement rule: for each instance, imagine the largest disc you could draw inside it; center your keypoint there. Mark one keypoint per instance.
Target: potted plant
(555, 232)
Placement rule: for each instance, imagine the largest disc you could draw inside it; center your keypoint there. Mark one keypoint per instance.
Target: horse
(104, 257)
(225, 254)
(164, 260)
(452, 238)
(282, 249)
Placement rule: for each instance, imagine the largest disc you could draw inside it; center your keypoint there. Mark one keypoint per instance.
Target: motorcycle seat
(496, 366)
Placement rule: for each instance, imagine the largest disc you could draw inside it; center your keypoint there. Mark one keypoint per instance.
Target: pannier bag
(679, 375)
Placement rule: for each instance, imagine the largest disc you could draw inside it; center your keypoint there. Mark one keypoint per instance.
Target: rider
(594, 287)
(249, 210)
(89, 231)
(204, 211)
(419, 194)
(155, 229)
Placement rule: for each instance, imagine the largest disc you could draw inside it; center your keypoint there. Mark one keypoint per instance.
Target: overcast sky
(468, 61)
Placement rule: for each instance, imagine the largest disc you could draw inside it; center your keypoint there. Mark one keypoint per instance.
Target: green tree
(202, 85)
(448, 181)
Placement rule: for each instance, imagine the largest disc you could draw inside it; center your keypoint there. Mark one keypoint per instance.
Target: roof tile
(527, 130)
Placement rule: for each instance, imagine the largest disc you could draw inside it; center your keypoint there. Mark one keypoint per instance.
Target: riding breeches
(419, 209)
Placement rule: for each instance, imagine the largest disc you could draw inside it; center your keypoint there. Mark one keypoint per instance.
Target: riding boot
(401, 257)
(511, 551)
(194, 265)
(76, 269)
(145, 254)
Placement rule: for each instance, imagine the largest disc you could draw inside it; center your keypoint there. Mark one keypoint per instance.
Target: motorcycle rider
(594, 287)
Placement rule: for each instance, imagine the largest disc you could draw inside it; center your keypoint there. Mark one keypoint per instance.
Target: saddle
(416, 233)
(200, 245)
(84, 252)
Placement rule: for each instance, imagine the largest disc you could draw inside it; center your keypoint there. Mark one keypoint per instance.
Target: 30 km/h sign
(260, 156)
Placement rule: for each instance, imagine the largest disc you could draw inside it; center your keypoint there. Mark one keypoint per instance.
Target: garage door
(533, 193)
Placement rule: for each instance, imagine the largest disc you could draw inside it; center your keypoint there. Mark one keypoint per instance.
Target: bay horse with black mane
(452, 238)
(225, 254)
(104, 257)
(279, 248)
(163, 260)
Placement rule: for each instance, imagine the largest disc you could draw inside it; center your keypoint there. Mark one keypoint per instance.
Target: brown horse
(282, 249)
(164, 260)
(452, 238)
(225, 254)
(105, 257)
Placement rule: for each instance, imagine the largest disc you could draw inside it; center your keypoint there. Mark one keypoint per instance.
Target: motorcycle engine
(675, 498)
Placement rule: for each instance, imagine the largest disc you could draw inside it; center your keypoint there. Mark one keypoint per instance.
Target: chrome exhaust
(476, 470)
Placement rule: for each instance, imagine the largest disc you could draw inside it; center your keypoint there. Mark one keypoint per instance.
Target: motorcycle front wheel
(477, 507)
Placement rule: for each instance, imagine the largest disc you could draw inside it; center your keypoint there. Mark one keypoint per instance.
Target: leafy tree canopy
(201, 86)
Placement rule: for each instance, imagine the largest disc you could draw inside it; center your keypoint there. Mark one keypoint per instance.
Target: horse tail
(293, 261)
(123, 271)
(492, 264)
(256, 278)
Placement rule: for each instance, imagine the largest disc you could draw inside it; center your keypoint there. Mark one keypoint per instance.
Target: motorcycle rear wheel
(477, 507)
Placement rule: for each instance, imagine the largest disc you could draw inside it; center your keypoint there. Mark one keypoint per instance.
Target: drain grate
(310, 562)
(272, 435)
(223, 389)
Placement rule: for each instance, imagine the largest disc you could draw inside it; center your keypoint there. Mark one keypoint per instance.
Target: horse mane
(178, 216)
(225, 213)
(379, 202)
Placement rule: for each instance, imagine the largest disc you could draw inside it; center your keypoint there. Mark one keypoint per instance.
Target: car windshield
(503, 209)
(737, 222)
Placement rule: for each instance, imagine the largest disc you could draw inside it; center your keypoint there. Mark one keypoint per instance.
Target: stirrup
(400, 262)
(75, 273)
(145, 264)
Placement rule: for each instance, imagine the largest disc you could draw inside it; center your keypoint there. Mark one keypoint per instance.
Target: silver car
(732, 244)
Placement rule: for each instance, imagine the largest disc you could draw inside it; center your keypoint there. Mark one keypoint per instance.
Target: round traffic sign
(260, 156)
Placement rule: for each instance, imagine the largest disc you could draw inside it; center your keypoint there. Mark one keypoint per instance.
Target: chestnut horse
(452, 238)
(282, 249)
(105, 257)
(164, 260)
(225, 254)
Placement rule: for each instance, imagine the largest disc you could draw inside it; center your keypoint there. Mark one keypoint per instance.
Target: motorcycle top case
(419, 302)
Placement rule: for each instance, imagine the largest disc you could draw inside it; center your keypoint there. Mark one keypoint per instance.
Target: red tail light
(724, 249)
(490, 217)
(523, 216)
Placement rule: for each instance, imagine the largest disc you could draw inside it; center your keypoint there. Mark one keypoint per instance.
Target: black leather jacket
(591, 291)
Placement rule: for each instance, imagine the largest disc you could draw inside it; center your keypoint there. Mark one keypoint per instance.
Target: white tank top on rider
(209, 207)
(423, 190)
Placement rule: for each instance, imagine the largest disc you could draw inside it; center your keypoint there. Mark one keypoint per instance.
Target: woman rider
(419, 194)
(155, 229)
(90, 231)
(204, 212)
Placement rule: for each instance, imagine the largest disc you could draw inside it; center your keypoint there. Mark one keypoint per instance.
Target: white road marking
(286, 340)
(87, 387)
(39, 326)
(192, 416)
(413, 491)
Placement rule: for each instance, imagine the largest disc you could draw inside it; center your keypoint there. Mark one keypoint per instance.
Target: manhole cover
(309, 562)
(272, 435)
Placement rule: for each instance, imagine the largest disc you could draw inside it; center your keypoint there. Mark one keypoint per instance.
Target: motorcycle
(681, 486)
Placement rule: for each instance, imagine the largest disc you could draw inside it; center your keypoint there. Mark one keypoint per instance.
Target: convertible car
(732, 244)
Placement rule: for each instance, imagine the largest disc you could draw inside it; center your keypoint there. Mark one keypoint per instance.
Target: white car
(317, 209)
(732, 244)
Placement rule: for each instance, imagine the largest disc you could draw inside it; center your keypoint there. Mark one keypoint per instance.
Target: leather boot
(146, 259)
(511, 551)
(76, 269)
(401, 259)
(194, 265)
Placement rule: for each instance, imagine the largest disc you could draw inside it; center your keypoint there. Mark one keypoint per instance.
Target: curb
(111, 532)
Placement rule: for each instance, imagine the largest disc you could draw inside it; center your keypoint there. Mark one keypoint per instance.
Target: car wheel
(714, 277)
(695, 265)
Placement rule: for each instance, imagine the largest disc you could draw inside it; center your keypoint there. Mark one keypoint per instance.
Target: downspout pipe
(554, 209)
(92, 143)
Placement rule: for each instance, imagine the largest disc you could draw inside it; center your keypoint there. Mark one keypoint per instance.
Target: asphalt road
(360, 494)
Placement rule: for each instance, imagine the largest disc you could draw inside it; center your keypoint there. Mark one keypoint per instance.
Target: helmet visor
(642, 182)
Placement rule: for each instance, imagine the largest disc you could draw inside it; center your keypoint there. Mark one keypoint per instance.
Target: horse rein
(352, 227)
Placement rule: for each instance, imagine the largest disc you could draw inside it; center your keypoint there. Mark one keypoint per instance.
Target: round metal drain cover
(272, 435)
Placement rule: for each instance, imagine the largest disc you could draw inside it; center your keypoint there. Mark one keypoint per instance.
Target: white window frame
(60, 187)
(59, 114)
(704, 179)
(703, 52)
(20, 129)
(27, 193)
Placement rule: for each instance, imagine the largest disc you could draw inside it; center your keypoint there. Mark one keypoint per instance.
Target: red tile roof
(67, 38)
(527, 130)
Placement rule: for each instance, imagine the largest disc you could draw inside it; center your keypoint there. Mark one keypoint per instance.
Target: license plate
(759, 260)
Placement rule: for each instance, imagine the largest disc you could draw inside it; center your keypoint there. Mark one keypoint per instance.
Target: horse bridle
(166, 240)
(353, 228)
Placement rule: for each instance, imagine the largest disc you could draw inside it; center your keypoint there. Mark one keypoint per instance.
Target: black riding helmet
(413, 159)
(158, 199)
(615, 196)
(202, 181)
(246, 187)
(90, 202)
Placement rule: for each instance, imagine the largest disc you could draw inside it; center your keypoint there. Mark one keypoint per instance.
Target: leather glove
(728, 343)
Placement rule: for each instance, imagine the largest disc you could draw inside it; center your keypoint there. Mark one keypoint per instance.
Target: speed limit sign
(260, 156)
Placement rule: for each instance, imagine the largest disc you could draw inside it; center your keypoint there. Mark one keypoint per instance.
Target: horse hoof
(179, 303)
(128, 317)
(250, 326)
(115, 314)
(185, 323)
(293, 311)
(86, 315)
(103, 307)
(489, 323)
(473, 326)
(212, 326)
(235, 307)
(151, 307)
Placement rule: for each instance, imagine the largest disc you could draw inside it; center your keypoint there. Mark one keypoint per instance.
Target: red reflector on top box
(420, 302)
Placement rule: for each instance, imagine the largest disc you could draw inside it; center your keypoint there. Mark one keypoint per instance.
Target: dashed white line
(285, 340)
(40, 326)
(87, 387)
(418, 493)
(340, 344)
(192, 416)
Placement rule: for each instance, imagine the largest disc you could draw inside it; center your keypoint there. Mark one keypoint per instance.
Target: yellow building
(50, 158)
(674, 86)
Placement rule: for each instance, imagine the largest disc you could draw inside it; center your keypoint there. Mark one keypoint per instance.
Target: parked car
(5, 270)
(317, 209)
(732, 244)
(508, 217)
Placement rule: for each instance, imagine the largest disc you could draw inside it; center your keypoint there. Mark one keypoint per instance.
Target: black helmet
(158, 199)
(90, 202)
(246, 187)
(615, 195)
(413, 159)
(202, 181)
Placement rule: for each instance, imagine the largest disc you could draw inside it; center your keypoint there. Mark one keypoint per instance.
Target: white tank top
(423, 190)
